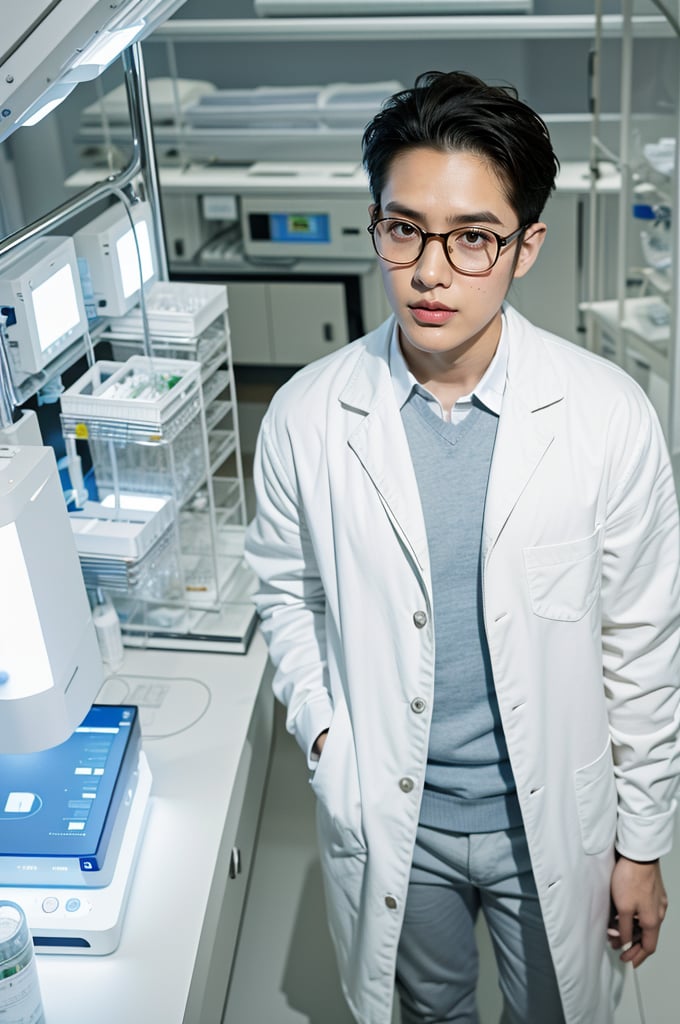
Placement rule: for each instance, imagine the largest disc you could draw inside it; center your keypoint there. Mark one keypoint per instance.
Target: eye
(402, 230)
(475, 238)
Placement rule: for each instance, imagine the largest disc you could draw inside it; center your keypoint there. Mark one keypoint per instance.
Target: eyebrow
(480, 217)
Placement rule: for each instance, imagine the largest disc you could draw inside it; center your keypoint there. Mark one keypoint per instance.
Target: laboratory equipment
(145, 425)
(60, 809)
(276, 226)
(49, 48)
(19, 986)
(76, 916)
(41, 302)
(115, 259)
(50, 667)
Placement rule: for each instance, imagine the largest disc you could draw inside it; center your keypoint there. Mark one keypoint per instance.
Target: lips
(433, 313)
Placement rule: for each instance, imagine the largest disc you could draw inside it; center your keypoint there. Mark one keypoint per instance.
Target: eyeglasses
(470, 250)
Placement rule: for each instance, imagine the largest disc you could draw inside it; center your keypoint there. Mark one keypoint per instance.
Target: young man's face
(446, 318)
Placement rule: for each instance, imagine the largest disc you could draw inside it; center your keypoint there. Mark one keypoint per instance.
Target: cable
(125, 681)
(638, 996)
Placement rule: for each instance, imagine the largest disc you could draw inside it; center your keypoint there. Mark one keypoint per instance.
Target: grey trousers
(454, 876)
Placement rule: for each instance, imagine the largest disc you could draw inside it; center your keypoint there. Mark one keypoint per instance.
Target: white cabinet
(286, 323)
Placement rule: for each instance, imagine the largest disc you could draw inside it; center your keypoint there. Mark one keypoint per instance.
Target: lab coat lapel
(379, 442)
(525, 431)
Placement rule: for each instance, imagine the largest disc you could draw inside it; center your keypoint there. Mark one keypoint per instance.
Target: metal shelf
(384, 29)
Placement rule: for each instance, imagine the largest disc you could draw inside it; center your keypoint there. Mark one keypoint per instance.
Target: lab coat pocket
(564, 579)
(336, 786)
(596, 801)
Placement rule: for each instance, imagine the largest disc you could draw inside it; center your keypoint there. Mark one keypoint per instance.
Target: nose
(433, 267)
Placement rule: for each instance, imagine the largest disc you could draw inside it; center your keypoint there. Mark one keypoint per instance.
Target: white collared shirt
(489, 390)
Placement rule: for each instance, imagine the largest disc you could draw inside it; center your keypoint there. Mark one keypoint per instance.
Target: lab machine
(71, 823)
(115, 258)
(50, 668)
(41, 304)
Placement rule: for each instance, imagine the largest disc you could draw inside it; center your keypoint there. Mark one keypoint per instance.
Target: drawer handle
(235, 862)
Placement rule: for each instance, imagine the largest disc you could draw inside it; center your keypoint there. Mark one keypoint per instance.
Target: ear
(372, 211)
(532, 241)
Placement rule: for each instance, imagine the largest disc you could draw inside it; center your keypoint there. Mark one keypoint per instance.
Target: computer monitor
(41, 302)
(110, 256)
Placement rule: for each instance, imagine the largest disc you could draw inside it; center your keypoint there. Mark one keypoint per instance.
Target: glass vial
(20, 1001)
(109, 635)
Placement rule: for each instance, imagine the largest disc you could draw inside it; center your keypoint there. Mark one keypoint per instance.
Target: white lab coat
(581, 602)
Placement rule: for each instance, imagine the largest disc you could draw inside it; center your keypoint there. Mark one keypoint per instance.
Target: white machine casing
(50, 665)
(37, 333)
(107, 246)
(47, 49)
(85, 921)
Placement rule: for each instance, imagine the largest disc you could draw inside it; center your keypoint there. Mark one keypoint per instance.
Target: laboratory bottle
(655, 237)
(20, 1001)
(109, 635)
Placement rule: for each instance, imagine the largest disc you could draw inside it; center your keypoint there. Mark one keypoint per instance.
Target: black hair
(452, 111)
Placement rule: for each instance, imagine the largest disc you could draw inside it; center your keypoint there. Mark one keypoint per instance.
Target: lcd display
(55, 307)
(128, 261)
(62, 802)
(290, 227)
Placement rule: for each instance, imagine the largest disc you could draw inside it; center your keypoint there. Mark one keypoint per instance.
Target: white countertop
(331, 179)
(147, 979)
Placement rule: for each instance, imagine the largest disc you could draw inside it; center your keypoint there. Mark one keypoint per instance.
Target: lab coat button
(418, 705)
(390, 903)
(420, 619)
(406, 784)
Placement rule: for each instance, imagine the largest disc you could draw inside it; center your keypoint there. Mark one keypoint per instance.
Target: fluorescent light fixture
(103, 51)
(48, 101)
(50, 42)
(50, 666)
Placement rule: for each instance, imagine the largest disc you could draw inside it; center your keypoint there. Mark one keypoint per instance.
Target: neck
(450, 375)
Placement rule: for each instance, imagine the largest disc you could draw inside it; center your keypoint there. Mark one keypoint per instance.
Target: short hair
(451, 111)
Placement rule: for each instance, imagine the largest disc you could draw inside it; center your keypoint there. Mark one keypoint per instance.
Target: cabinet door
(309, 319)
(249, 322)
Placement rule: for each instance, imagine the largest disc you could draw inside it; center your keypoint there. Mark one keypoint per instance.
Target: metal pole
(140, 111)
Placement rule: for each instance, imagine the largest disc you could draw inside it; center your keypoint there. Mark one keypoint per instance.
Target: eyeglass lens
(469, 249)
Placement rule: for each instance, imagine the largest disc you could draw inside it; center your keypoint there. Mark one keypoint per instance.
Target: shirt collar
(489, 390)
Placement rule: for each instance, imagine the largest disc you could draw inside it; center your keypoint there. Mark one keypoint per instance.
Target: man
(467, 538)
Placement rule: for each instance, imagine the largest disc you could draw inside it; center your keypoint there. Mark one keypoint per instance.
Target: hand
(319, 743)
(640, 903)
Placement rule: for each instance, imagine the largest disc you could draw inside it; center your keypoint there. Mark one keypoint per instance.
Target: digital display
(128, 261)
(55, 803)
(290, 227)
(55, 307)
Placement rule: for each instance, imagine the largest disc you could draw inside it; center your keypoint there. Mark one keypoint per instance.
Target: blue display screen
(299, 227)
(55, 802)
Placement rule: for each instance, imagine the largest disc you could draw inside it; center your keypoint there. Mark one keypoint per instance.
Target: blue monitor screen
(56, 802)
(299, 227)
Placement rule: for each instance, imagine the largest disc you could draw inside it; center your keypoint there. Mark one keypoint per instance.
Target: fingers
(636, 941)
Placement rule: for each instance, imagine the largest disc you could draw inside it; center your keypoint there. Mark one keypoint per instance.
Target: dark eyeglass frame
(443, 236)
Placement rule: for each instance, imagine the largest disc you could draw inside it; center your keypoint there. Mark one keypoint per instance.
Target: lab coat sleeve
(290, 598)
(640, 637)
